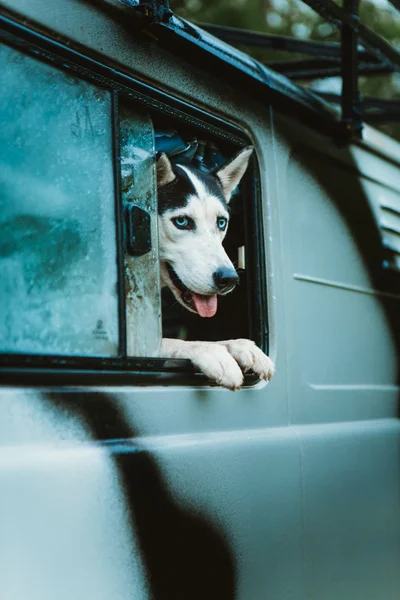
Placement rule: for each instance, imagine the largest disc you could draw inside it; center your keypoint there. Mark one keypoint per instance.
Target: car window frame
(39, 369)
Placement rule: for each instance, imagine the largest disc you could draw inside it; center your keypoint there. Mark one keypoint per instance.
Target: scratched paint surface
(142, 276)
(57, 219)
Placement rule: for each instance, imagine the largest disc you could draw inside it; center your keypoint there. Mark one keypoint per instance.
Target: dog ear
(232, 172)
(165, 173)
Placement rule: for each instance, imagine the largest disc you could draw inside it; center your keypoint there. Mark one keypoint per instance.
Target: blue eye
(183, 222)
(222, 223)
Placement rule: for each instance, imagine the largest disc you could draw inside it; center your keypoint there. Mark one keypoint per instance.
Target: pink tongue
(206, 306)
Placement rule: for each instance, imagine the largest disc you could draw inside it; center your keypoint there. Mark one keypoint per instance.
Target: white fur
(223, 362)
(231, 173)
(210, 358)
(201, 191)
(195, 255)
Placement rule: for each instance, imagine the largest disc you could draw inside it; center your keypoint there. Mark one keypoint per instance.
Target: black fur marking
(176, 279)
(175, 194)
(186, 294)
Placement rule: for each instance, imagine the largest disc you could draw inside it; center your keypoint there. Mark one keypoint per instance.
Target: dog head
(193, 209)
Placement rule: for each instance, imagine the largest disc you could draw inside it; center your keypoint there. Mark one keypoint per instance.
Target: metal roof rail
(360, 51)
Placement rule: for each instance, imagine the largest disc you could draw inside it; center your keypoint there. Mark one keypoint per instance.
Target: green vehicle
(128, 476)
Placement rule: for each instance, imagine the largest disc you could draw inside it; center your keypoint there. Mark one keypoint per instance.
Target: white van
(127, 476)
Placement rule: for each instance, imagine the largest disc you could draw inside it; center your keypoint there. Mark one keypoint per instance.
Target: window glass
(142, 274)
(58, 266)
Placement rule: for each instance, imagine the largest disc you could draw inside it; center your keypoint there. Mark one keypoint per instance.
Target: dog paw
(217, 364)
(250, 358)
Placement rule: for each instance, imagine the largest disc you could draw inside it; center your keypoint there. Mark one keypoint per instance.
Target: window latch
(137, 229)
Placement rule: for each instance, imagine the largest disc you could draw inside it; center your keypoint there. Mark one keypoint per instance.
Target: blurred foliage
(296, 19)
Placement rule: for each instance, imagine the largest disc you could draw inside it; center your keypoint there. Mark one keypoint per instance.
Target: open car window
(79, 260)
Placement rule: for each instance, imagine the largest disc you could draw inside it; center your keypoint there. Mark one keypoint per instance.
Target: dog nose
(225, 278)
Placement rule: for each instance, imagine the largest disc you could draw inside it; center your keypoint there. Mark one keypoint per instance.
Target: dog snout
(225, 278)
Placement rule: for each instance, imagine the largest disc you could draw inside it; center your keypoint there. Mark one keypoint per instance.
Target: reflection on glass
(58, 272)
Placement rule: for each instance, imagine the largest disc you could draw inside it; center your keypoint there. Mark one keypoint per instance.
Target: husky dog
(193, 220)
